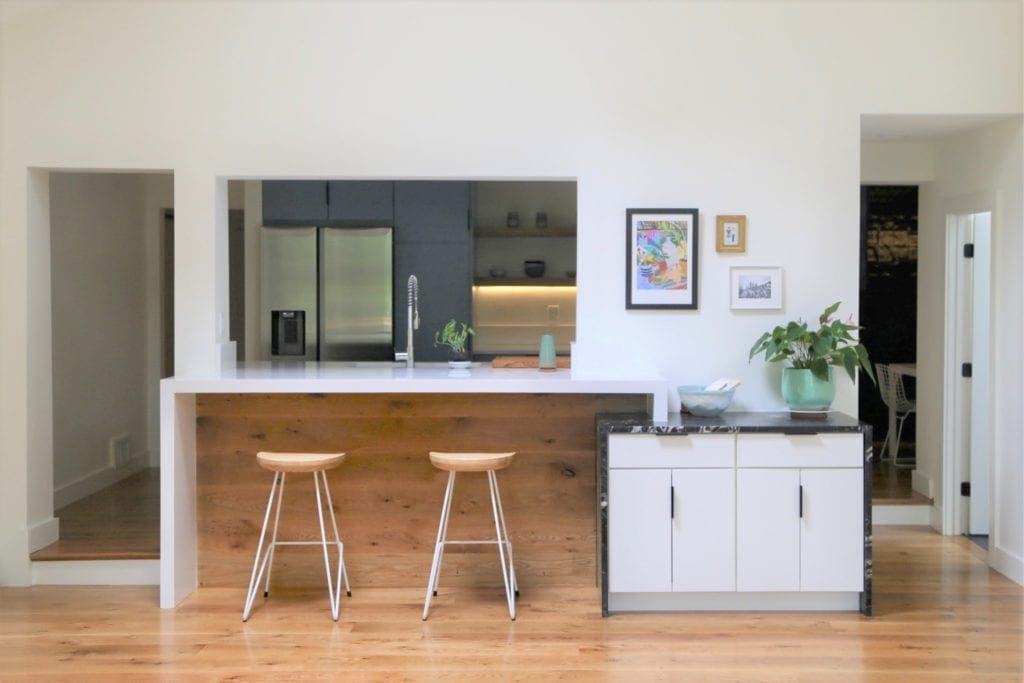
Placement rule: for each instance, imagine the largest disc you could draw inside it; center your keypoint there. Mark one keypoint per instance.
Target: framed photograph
(759, 287)
(661, 258)
(731, 234)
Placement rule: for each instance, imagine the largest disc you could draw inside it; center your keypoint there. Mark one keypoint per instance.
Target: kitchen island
(387, 496)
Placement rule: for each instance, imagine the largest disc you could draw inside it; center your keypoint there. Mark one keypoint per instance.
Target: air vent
(118, 450)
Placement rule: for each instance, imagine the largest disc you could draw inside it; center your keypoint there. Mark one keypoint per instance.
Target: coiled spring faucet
(413, 301)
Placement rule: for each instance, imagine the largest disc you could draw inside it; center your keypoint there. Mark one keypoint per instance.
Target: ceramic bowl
(704, 403)
(534, 268)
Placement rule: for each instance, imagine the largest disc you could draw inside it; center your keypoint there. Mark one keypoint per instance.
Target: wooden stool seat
(471, 462)
(299, 462)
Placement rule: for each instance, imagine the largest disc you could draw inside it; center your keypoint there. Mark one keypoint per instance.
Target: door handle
(801, 501)
(672, 501)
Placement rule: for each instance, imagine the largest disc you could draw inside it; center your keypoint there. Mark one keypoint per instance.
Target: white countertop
(371, 378)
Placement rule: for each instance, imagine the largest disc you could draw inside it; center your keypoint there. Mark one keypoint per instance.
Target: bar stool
(281, 464)
(473, 462)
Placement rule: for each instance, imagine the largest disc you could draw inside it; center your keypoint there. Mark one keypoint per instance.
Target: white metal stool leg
(509, 594)
(508, 541)
(442, 534)
(337, 536)
(333, 595)
(273, 537)
(257, 566)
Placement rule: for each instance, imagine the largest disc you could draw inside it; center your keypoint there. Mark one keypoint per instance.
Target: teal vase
(803, 391)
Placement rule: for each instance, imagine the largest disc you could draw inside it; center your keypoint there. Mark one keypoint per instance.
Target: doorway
(888, 318)
(967, 378)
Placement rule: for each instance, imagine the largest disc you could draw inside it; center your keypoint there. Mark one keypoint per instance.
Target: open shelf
(502, 231)
(525, 281)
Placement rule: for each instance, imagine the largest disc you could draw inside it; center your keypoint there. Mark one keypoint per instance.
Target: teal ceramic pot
(803, 391)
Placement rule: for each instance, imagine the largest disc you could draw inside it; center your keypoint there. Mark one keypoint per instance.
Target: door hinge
(966, 370)
(968, 250)
(965, 488)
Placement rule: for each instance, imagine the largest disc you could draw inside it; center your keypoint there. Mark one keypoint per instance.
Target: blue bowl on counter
(703, 403)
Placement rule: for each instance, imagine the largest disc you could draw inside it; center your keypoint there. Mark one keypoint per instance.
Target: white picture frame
(755, 287)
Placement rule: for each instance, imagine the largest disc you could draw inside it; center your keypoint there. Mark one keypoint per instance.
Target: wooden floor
(891, 485)
(120, 522)
(941, 614)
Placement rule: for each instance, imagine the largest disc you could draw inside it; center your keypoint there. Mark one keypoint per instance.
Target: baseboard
(887, 515)
(935, 521)
(922, 483)
(97, 573)
(1009, 565)
(43, 534)
(96, 481)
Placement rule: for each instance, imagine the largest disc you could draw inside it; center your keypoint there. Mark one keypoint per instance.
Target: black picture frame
(653, 261)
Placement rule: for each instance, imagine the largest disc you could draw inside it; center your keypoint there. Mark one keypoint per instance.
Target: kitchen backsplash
(511, 319)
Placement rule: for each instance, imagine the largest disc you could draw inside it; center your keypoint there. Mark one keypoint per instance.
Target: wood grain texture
(387, 495)
(121, 522)
(941, 615)
(528, 362)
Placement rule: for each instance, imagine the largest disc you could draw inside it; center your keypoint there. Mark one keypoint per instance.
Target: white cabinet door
(704, 530)
(639, 531)
(768, 530)
(832, 530)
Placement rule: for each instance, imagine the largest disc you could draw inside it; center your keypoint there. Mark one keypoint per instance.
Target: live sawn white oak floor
(941, 614)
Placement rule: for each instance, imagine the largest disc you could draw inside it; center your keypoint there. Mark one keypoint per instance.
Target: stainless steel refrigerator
(340, 280)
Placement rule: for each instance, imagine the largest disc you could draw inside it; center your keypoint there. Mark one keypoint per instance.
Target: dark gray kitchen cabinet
(432, 211)
(434, 242)
(335, 202)
(294, 202)
(368, 201)
(444, 271)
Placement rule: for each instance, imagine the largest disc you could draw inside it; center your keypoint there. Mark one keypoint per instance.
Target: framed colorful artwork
(755, 287)
(731, 234)
(661, 258)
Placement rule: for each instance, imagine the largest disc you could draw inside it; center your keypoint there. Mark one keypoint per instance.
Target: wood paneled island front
(386, 494)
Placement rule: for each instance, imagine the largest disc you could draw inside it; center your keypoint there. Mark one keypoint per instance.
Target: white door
(971, 406)
(704, 530)
(980, 451)
(639, 530)
(832, 530)
(768, 529)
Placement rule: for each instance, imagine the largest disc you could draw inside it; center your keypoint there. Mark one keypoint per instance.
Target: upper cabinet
(361, 200)
(321, 202)
(294, 202)
(432, 211)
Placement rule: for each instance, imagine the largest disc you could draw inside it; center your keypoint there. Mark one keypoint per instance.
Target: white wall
(103, 230)
(974, 169)
(640, 102)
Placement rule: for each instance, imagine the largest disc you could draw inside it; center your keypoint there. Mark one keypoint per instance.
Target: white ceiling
(877, 127)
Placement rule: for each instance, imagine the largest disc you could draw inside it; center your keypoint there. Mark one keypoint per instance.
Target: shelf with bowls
(525, 281)
(502, 231)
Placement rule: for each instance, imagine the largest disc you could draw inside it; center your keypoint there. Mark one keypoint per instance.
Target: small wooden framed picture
(731, 234)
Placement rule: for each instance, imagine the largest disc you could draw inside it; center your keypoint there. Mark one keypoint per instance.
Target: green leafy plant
(831, 344)
(453, 336)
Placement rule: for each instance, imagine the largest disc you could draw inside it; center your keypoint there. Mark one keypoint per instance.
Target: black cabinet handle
(801, 501)
(672, 501)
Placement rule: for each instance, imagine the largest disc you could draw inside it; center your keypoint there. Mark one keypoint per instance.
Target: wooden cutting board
(526, 362)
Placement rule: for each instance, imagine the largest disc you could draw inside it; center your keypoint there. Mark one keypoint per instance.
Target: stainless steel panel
(356, 294)
(288, 282)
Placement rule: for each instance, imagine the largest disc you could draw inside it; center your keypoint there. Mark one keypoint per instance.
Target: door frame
(951, 517)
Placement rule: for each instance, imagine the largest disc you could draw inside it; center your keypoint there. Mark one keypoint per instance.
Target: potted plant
(808, 383)
(454, 335)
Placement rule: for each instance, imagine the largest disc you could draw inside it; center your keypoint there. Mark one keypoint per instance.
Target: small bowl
(534, 268)
(498, 272)
(704, 403)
